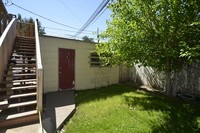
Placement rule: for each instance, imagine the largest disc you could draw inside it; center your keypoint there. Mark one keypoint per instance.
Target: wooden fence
(25, 29)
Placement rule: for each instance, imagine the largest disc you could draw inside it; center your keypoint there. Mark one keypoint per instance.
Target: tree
(87, 39)
(30, 20)
(163, 34)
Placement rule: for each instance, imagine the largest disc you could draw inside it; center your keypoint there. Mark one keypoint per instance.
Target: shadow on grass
(181, 116)
(101, 93)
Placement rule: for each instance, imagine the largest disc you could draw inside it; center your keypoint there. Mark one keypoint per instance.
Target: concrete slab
(32, 128)
(59, 106)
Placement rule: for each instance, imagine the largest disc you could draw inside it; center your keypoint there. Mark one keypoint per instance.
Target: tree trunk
(170, 89)
(168, 84)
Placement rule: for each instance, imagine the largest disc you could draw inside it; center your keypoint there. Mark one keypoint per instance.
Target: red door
(66, 69)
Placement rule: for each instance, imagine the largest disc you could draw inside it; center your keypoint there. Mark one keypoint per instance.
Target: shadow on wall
(185, 81)
(188, 79)
(141, 75)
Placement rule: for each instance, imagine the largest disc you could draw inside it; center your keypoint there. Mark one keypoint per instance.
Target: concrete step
(19, 118)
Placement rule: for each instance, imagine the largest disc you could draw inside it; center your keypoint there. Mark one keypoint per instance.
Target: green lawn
(123, 109)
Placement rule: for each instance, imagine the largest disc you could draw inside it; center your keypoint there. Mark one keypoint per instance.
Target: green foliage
(41, 29)
(30, 20)
(164, 34)
(87, 39)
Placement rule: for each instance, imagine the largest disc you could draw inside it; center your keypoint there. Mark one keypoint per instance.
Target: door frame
(59, 70)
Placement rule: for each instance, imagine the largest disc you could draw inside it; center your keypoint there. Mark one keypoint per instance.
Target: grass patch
(120, 108)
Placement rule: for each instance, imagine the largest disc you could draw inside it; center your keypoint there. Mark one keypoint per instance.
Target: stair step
(23, 49)
(18, 81)
(26, 47)
(22, 56)
(25, 38)
(15, 105)
(16, 59)
(17, 96)
(19, 118)
(22, 68)
(22, 71)
(18, 88)
(24, 87)
(23, 74)
(25, 53)
(18, 48)
(26, 80)
(20, 114)
(3, 102)
(24, 83)
(22, 65)
(21, 62)
(24, 42)
(17, 69)
(23, 45)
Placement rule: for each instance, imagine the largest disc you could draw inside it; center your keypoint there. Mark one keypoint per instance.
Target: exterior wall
(86, 77)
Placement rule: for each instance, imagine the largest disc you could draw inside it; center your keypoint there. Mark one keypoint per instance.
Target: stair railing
(39, 70)
(4, 21)
(7, 41)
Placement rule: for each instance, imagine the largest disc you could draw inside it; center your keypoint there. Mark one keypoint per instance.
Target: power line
(64, 35)
(93, 16)
(75, 16)
(67, 30)
(97, 17)
(44, 17)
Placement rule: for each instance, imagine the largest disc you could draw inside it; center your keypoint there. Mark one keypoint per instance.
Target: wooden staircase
(18, 91)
